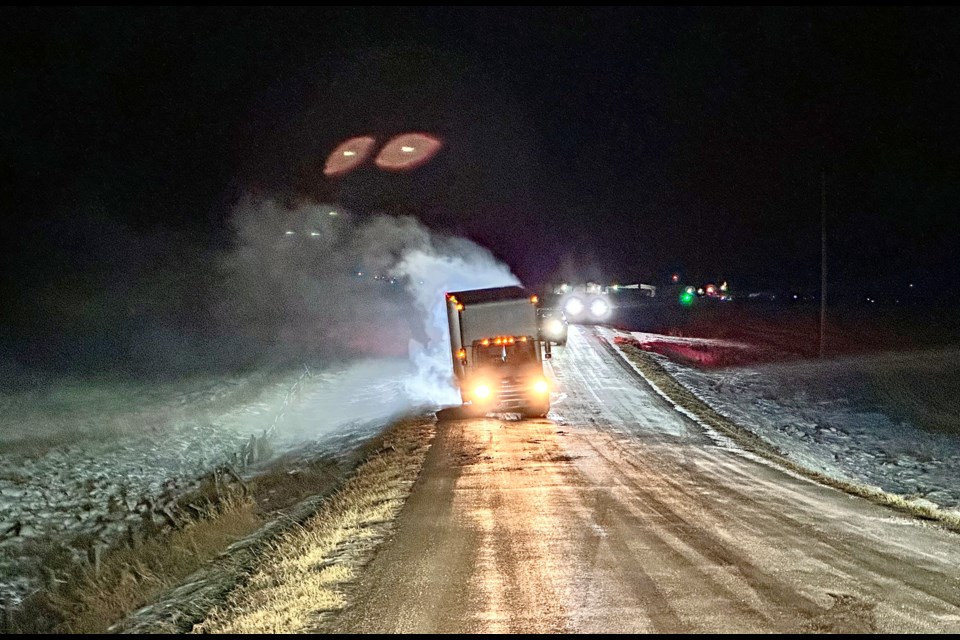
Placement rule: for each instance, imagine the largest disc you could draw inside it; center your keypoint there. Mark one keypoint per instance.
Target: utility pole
(823, 260)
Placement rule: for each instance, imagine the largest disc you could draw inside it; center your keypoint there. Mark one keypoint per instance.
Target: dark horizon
(597, 143)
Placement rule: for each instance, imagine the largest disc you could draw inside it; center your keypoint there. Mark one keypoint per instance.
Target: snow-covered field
(885, 420)
(67, 485)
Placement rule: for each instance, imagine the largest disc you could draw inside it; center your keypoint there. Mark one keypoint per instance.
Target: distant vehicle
(495, 346)
(553, 326)
(592, 303)
(586, 306)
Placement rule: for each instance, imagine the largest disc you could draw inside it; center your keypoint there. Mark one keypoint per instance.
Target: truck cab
(497, 351)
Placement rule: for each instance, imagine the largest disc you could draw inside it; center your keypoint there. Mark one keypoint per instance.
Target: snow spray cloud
(316, 282)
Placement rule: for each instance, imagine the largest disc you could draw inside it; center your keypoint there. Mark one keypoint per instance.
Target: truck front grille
(512, 393)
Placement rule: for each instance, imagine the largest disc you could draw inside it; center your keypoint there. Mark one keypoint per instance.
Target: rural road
(618, 514)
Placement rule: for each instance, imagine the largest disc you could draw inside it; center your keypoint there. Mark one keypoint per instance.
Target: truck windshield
(500, 355)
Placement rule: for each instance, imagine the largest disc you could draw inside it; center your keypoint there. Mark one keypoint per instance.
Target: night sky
(613, 143)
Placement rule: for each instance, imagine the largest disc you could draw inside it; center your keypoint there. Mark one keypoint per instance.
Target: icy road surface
(619, 515)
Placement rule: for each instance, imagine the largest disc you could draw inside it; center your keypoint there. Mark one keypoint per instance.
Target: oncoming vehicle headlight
(599, 308)
(554, 327)
(541, 386)
(574, 306)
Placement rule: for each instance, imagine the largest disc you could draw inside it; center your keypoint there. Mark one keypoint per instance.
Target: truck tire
(535, 412)
(450, 414)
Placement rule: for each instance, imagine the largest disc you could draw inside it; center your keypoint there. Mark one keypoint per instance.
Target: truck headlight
(481, 392)
(541, 386)
(554, 327)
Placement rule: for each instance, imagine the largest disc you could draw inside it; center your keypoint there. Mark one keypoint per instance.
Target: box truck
(497, 352)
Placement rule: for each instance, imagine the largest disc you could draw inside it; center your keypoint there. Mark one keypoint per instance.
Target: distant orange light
(348, 155)
(534, 299)
(523, 339)
(459, 307)
(486, 342)
(408, 151)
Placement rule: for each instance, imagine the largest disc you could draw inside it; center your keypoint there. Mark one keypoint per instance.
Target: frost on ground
(890, 420)
(69, 487)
